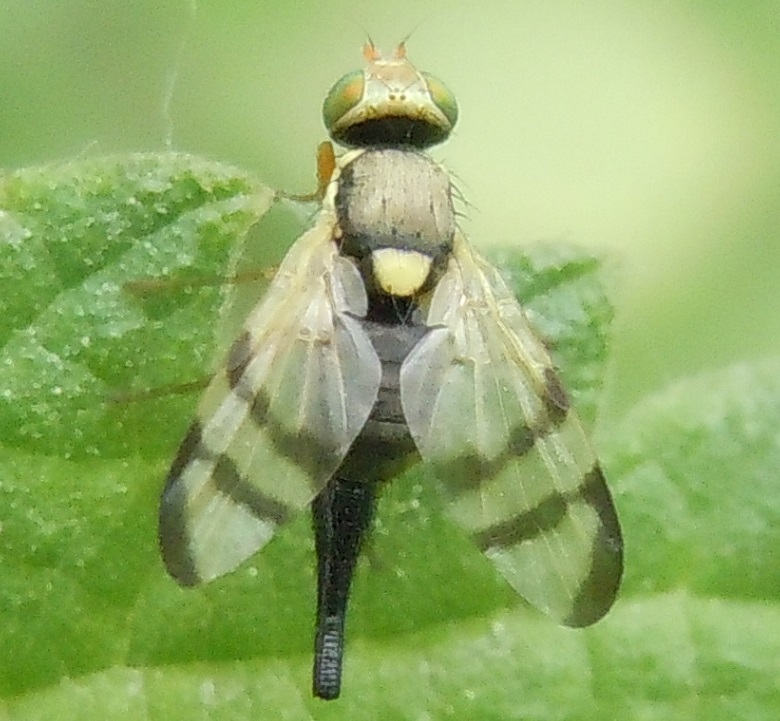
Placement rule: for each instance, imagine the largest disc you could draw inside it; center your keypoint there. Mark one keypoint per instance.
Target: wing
(276, 422)
(485, 406)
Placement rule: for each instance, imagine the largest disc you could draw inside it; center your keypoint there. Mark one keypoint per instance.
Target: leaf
(698, 467)
(84, 593)
(93, 628)
(72, 237)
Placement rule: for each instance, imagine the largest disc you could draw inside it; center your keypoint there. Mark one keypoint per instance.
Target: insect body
(382, 339)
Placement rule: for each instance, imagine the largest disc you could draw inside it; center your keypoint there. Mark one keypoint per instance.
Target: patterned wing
(277, 421)
(485, 406)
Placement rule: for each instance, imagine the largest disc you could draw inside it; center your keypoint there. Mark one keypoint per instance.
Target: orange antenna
(400, 50)
(370, 53)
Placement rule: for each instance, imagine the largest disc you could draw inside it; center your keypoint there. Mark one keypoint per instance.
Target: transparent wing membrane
(485, 406)
(276, 422)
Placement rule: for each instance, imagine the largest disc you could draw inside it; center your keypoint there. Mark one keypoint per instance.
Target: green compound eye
(442, 97)
(343, 96)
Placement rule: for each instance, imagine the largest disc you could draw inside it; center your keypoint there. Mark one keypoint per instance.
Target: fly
(384, 339)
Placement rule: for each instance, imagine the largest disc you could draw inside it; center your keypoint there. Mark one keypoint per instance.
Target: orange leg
(326, 164)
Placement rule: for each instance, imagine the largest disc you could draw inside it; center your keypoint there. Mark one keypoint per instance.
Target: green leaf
(698, 468)
(72, 334)
(92, 628)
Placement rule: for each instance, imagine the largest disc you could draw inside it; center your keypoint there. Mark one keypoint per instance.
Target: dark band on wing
(225, 477)
(173, 537)
(546, 515)
(524, 526)
(598, 590)
(556, 400)
(188, 450)
(302, 448)
(229, 482)
(238, 359)
(465, 472)
(596, 493)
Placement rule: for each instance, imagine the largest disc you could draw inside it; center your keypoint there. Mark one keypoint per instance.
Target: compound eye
(343, 96)
(442, 97)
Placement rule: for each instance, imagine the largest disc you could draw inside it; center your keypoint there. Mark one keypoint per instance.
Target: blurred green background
(648, 129)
